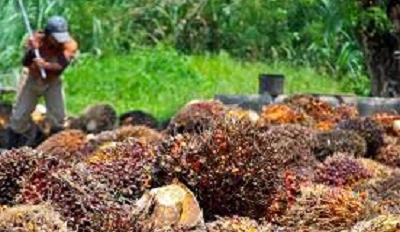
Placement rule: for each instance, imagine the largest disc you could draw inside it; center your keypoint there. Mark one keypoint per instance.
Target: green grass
(160, 80)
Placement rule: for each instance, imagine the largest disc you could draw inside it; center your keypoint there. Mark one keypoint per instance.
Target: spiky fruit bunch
(384, 191)
(387, 120)
(235, 168)
(237, 224)
(67, 145)
(141, 133)
(381, 223)
(95, 119)
(389, 155)
(136, 118)
(341, 141)
(196, 117)
(315, 108)
(127, 171)
(345, 112)
(368, 129)
(321, 208)
(83, 201)
(15, 166)
(28, 218)
(283, 114)
(341, 170)
(377, 169)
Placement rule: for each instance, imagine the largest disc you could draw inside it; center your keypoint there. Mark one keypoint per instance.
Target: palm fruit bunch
(237, 113)
(32, 218)
(196, 116)
(283, 114)
(142, 133)
(82, 200)
(385, 192)
(324, 115)
(341, 170)
(315, 108)
(235, 167)
(389, 122)
(371, 131)
(238, 224)
(381, 223)
(321, 208)
(15, 166)
(138, 118)
(95, 119)
(389, 155)
(69, 145)
(127, 169)
(339, 141)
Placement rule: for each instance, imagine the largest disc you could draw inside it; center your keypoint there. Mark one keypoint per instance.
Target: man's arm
(31, 44)
(69, 52)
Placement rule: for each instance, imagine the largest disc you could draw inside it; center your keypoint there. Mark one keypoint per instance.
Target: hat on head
(57, 26)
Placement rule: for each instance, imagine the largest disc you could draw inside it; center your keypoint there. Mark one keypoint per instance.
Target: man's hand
(41, 63)
(33, 43)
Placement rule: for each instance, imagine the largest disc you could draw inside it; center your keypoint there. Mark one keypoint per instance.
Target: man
(57, 49)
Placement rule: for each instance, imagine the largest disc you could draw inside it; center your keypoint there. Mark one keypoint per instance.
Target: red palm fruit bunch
(283, 114)
(339, 141)
(387, 120)
(15, 166)
(341, 170)
(129, 170)
(381, 223)
(238, 224)
(324, 115)
(367, 128)
(384, 191)
(196, 117)
(142, 133)
(235, 168)
(69, 145)
(321, 208)
(32, 218)
(82, 201)
(389, 155)
(315, 108)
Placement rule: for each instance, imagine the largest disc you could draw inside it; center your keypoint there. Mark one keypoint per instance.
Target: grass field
(160, 80)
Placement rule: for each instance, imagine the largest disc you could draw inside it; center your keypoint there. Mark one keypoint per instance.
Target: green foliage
(160, 80)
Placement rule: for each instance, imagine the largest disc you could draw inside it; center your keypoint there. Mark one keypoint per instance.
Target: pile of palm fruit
(300, 165)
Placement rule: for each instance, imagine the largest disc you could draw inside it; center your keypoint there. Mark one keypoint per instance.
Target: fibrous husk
(15, 166)
(371, 131)
(31, 218)
(339, 141)
(235, 167)
(320, 208)
(168, 208)
(381, 223)
(283, 114)
(341, 170)
(136, 118)
(238, 224)
(196, 116)
(68, 145)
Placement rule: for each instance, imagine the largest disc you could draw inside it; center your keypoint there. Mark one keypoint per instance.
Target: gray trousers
(29, 92)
